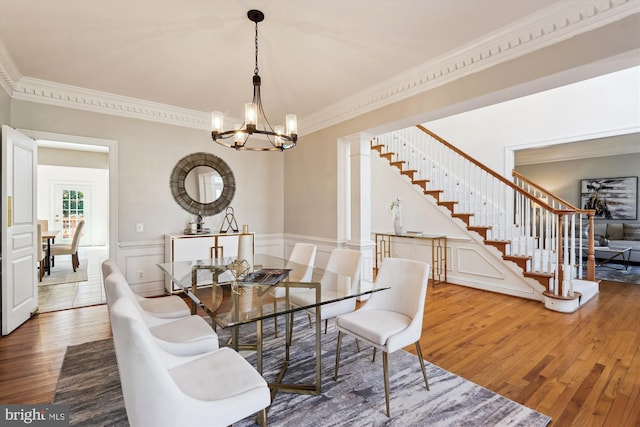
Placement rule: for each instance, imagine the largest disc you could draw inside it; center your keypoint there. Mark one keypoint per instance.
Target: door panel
(19, 237)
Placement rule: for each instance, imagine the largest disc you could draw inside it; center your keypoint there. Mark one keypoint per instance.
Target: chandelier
(255, 120)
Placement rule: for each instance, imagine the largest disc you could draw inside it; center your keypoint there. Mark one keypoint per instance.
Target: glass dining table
(233, 293)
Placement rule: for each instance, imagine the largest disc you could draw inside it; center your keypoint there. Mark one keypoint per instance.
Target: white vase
(398, 228)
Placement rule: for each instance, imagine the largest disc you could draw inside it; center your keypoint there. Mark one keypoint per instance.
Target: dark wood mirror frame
(184, 166)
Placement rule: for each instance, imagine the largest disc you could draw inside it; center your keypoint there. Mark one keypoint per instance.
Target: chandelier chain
(255, 71)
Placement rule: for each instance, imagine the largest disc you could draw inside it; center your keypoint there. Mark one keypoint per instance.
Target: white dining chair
(184, 336)
(343, 269)
(301, 263)
(390, 319)
(166, 307)
(69, 249)
(161, 389)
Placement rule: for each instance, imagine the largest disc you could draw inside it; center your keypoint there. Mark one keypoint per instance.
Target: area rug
(89, 384)
(63, 273)
(617, 273)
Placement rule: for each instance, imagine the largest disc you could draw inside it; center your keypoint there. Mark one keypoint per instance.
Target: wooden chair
(42, 255)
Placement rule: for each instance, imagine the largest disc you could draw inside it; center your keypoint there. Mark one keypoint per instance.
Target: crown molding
(613, 142)
(578, 154)
(9, 74)
(46, 92)
(551, 25)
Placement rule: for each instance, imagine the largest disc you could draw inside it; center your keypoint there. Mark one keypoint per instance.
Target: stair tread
(522, 261)
(525, 257)
(538, 274)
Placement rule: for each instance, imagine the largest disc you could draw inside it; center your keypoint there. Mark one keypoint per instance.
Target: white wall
(604, 106)
(97, 179)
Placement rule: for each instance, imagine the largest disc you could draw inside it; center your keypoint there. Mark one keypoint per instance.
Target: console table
(186, 247)
(438, 251)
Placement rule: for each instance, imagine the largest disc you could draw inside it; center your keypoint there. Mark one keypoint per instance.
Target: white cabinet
(189, 247)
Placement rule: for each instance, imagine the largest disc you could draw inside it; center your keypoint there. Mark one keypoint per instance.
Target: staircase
(542, 234)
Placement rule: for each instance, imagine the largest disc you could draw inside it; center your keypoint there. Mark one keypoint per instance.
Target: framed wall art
(612, 198)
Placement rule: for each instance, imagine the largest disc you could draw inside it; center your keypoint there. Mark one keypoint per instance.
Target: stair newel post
(572, 254)
(565, 257)
(591, 257)
(559, 260)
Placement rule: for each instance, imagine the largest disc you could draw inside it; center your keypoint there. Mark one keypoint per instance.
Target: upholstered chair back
(343, 264)
(301, 262)
(407, 280)
(75, 242)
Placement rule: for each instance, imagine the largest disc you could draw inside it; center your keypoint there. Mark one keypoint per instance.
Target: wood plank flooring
(582, 369)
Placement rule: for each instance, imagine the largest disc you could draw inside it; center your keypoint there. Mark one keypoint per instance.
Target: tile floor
(78, 294)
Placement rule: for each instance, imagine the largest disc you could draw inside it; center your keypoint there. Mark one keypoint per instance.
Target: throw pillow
(614, 230)
(631, 231)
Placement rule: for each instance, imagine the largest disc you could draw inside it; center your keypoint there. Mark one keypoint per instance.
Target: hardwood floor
(582, 369)
(31, 356)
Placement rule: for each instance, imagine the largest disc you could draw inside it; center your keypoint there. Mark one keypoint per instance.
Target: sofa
(617, 234)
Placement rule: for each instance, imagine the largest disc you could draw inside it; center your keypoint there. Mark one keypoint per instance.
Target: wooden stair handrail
(554, 197)
(560, 212)
(501, 178)
(485, 168)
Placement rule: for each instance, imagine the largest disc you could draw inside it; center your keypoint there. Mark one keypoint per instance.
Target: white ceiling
(199, 55)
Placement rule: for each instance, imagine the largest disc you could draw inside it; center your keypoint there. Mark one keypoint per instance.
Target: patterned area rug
(63, 273)
(617, 273)
(89, 384)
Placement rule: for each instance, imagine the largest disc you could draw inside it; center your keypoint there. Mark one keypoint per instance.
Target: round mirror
(202, 183)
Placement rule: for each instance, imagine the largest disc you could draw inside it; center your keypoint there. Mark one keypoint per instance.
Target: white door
(71, 203)
(19, 236)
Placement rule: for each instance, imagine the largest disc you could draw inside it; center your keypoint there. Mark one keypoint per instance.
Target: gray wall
(72, 158)
(563, 178)
(5, 110)
(147, 152)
